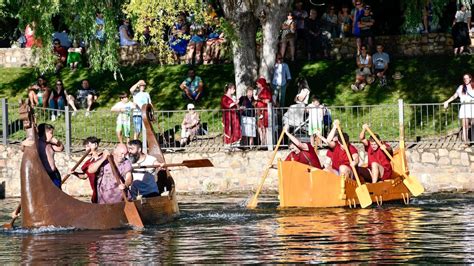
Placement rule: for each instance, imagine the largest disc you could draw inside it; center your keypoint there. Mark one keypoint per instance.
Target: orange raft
(43, 204)
(301, 185)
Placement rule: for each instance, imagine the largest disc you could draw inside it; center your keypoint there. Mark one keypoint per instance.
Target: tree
(244, 15)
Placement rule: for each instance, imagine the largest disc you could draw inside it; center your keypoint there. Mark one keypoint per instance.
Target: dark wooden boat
(301, 185)
(43, 204)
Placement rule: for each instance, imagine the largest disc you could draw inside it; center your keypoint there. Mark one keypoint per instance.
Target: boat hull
(301, 185)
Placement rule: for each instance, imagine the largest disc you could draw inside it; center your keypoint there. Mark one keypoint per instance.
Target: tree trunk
(271, 16)
(241, 14)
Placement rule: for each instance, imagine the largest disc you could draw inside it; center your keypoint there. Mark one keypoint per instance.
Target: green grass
(426, 80)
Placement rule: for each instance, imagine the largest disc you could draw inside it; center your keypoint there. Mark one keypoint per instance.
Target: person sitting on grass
(124, 110)
(38, 94)
(74, 56)
(379, 166)
(302, 152)
(381, 60)
(363, 72)
(192, 86)
(86, 96)
(61, 55)
(190, 125)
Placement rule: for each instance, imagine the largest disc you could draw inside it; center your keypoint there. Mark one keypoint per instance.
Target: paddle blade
(253, 203)
(415, 187)
(363, 195)
(8, 226)
(132, 215)
(197, 163)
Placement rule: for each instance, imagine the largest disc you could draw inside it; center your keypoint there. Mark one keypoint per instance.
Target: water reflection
(435, 229)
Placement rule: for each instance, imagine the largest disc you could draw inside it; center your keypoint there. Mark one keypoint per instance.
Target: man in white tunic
(144, 179)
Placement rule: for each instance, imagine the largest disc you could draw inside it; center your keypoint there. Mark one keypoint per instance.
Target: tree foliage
(413, 12)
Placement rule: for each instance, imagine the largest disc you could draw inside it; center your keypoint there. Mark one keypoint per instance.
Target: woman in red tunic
(230, 116)
(379, 166)
(264, 96)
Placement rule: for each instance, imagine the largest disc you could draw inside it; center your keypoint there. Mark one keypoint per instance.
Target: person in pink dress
(230, 116)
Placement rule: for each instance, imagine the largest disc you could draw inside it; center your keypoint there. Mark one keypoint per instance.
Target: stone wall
(240, 172)
(400, 46)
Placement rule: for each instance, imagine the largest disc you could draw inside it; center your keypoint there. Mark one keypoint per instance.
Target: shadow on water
(215, 229)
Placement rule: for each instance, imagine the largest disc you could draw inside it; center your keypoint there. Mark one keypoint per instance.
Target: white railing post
(270, 127)
(67, 120)
(401, 116)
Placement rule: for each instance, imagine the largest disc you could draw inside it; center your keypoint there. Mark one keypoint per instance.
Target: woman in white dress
(466, 112)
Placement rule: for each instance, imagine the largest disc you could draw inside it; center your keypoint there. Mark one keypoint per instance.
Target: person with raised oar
(47, 146)
(107, 188)
(144, 179)
(302, 152)
(379, 167)
(340, 164)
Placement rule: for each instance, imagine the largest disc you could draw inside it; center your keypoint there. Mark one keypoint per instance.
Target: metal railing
(422, 122)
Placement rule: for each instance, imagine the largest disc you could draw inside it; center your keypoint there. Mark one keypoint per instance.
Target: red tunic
(92, 178)
(265, 94)
(338, 155)
(230, 121)
(378, 156)
(307, 157)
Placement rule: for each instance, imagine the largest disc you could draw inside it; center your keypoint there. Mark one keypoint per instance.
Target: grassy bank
(426, 80)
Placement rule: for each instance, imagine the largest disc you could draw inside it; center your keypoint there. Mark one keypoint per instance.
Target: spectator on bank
(313, 35)
(460, 31)
(288, 36)
(214, 42)
(195, 45)
(427, 13)
(126, 39)
(124, 110)
(264, 96)
(281, 77)
(140, 97)
(230, 117)
(366, 23)
(99, 26)
(294, 117)
(363, 72)
(315, 118)
(329, 20)
(192, 86)
(345, 22)
(300, 16)
(74, 56)
(190, 126)
(57, 99)
(31, 41)
(61, 55)
(355, 15)
(248, 122)
(63, 38)
(38, 94)
(380, 61)
(85, 98)
(179, 37)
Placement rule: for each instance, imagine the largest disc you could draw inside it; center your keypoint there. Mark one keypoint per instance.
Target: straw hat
(397, 75)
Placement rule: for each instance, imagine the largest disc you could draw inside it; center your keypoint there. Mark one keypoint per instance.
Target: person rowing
(302, 152)
(379, 166)
(91, 144)
(340, 164)
(144, 179)
(47, 146)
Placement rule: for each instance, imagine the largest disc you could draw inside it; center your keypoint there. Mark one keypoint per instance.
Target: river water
(435, 228)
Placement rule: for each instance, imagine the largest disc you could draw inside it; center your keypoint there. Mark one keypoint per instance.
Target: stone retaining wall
(400, 46)
(239, 172)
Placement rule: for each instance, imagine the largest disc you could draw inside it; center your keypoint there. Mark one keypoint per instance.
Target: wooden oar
(18, 208)
(187, 163)
(362, 191)
(411, 182)
(131, 211)
(253, 203)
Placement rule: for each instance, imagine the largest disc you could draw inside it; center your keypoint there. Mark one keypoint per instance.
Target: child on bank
(124, 110)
